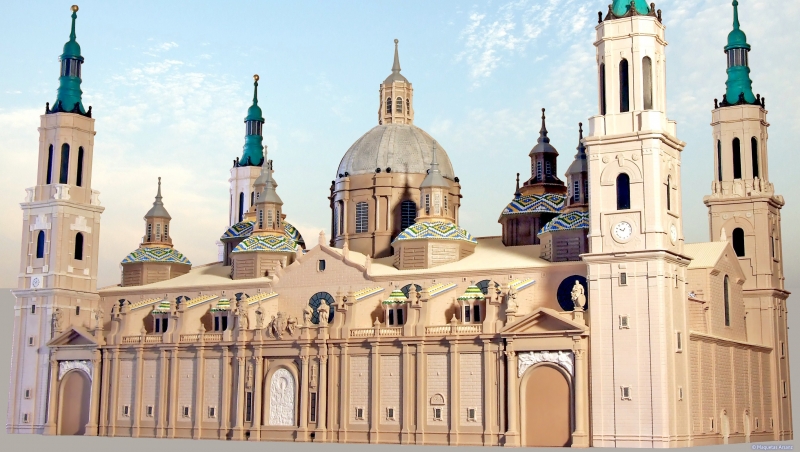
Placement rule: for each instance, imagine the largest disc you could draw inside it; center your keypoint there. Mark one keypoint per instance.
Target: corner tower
(57, 286)
(744, 209)
(636, 269)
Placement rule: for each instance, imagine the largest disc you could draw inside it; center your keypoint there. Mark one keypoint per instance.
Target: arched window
(726, 299)
(399, 105)
(647, 82)
(602, 89)
(335, 225)
(408, 105)
(738, 242)
(79, 171)
(362, 217)
(252, 198)
(149, 232)
(64, 176)
(241, 206)
(576, 192)
(669, 192)
(79, 246)
(547, 168)
(737, 159)
(623, 192)
(40, 245)
(50, 164)
(484, 286)
(408, 214)
(389, 105)
(624, 87)
(341, 217)
(316, 300)
(719, 160)
(754, 150)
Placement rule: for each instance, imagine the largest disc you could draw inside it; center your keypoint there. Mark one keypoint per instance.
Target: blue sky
(170, 84)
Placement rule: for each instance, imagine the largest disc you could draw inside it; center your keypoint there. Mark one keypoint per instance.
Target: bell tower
(636, 269)
(744, 209)
(57, 285)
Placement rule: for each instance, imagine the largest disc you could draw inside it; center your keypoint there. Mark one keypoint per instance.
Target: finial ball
(255, 77)
(396, 41)
(74, 8)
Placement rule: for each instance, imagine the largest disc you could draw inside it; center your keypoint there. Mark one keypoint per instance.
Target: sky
(170, 83)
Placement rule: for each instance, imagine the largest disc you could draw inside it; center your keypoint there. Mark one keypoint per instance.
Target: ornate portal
(563, 359)
(281, 398)
(66, 366)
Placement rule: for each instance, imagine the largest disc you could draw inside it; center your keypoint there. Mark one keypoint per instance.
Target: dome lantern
(253, 154)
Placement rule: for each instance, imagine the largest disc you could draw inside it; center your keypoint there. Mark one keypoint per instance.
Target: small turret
(396, 101)
(253, 154)
(738, 87)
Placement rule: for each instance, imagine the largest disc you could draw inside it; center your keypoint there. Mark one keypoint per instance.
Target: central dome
(404, 148)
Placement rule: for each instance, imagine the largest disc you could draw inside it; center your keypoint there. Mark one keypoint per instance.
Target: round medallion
(35, 281)
(673, 233)
(564, 292)
(623, 230)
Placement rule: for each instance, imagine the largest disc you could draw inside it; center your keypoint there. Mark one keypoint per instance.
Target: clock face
(35, 281)
(623, 230)
(673, 233)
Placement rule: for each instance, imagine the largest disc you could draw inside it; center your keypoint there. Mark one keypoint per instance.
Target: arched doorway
(74, 399)
(546, 407)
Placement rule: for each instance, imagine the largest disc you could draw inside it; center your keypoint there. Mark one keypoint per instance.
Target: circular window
(564, 293)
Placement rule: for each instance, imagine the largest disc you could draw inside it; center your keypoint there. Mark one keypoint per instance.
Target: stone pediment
(544, 321)
(72, 337)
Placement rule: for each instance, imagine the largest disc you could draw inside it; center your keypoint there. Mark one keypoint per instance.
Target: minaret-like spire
(69, 87)
(396, 65)
(517, 193)
(543, 131)
(434, 177)
(158, 209)
(739, 87)
(253, 154)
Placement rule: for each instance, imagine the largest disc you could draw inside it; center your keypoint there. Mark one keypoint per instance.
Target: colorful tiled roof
(199, 300)
(547, 203)
(263, 296)
(244, 229)
(144, 303)
(473, 292)
(567, 221)
(222, 305)
(162, 308)
(435, 230)
(438, 289)
(519, 284)
(156, 254)
(368, 292)
(268, 243)
(396, 297)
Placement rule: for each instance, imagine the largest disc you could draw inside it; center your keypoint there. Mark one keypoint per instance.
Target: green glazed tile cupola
(620, 8)
(253, 154)
(739, 87)
(69, 81)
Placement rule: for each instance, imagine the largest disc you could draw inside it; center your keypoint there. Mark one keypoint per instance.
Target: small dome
(156, 254)
(546, 203)
(244, 229)
(567, 222)
(72, 50)
(267, 243)
(621, 7)
(435, 230)
(404, 148)
(254, 113)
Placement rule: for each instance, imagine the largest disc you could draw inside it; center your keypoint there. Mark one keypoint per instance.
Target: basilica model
(589, 322)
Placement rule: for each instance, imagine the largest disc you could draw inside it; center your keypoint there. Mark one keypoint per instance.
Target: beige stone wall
(127, 383)
(360, 391)
(438, 382)
(212, 389)
(471, 388)
(186, 388)
(391, 389)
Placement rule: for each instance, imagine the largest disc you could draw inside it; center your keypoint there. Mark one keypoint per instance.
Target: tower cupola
(434, 193)
(738, 87)
(543, 166)
(253, 154)
(397, 96)
(578, 176)
(69, 81)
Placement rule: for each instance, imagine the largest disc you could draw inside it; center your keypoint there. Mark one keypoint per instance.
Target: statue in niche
(58, 319)
(512, 300)
(291, 324)
(324, 311)
(241, 313)
(307, 313)
(98, 317)
(578, 295)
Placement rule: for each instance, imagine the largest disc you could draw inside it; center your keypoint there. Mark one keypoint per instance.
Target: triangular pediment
(544, 321)
(74, 336)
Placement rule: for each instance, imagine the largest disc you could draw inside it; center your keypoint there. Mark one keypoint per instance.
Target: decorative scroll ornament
(564, 359)
(66, 366)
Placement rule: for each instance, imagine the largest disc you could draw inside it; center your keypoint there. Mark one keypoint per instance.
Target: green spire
(69, 87)
(253, 154)
(738, 84)
(621, 7)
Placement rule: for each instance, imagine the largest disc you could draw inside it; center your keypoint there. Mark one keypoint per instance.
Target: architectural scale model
(589, 322)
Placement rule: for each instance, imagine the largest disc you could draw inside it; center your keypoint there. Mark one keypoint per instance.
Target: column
(255, 434)
(163, 382)
(580, 438)
(106, 388)
(114, 384)
(91, 426)
(489, 393)
(225, 409)
(454, 415)
(406, 401)
(419, 433)
(239, 429)
(137, 391)
(303, 397)
(322, 398)
(512, 396)
(173, 392)
(375, 391)
(199, 388)
(50, 427)
(344, 394)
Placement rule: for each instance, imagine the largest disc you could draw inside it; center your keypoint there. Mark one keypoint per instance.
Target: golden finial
(396, 41)
(255, 77)
(74, 8)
